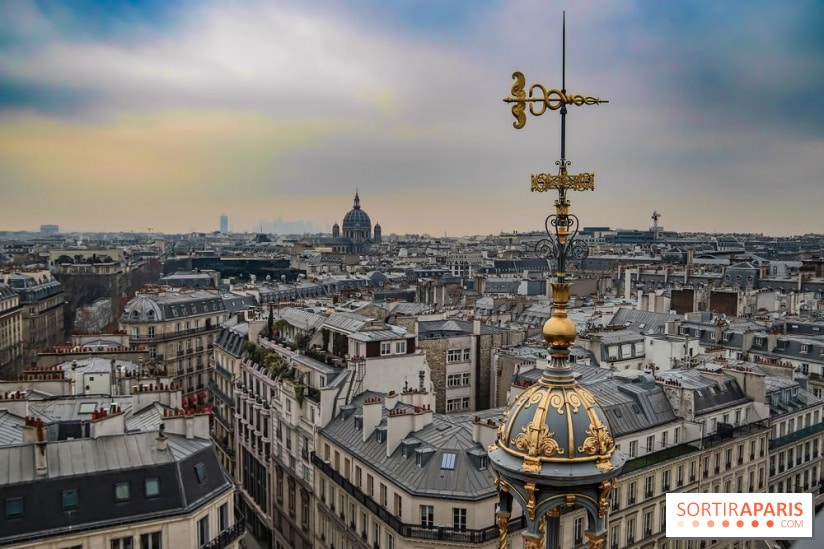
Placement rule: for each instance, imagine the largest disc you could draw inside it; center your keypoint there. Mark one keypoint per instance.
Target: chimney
(191, 423)
(402, 421)
(15, 403)
(34, 432)
(372, 412)
(161, 441)
(107, 422)
(484, 432)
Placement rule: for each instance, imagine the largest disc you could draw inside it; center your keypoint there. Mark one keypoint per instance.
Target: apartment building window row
(457, 404)
(458, 380)
(458, 355)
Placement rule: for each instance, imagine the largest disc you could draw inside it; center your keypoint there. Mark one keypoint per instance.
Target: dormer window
(759, 341)
(380, 435)
(483, 462)
(448, 461)
(805, 348)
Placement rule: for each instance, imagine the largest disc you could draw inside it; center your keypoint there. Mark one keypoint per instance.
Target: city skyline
(124, 116)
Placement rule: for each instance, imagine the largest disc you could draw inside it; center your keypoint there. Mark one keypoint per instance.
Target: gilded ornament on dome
(537, 441)
(598, 442)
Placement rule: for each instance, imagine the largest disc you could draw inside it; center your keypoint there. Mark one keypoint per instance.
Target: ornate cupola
(554, 448)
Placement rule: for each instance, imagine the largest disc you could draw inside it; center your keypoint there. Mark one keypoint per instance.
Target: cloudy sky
(129, 115)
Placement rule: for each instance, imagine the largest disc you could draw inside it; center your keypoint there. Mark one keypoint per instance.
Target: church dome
(356, 218)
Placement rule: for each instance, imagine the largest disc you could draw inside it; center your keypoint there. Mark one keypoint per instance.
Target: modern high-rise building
(224, 224)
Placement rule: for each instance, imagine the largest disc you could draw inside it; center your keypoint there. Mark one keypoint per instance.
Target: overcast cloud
(166, 115)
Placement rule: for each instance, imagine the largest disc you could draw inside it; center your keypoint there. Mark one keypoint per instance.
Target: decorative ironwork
(551, 99)
(563, 227)
(543, 182)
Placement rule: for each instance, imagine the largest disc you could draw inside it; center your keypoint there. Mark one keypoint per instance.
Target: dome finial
(356, 205)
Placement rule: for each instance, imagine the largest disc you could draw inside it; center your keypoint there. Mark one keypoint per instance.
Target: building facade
(11, 331)
(179, 329)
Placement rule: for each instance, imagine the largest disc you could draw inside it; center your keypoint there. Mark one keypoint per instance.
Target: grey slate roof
(642, 322)
(92, 467)
(632, 406)
(708, 395)
(433, 329)
(446, 434)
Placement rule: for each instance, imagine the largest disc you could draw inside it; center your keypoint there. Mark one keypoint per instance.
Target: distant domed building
(357, 227)
(354, 235)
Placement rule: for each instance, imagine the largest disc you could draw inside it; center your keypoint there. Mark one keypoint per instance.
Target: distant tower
(655, 227)
(335, 230)
(377, 232)
(224, 224)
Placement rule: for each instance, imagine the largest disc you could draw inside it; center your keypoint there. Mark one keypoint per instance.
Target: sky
(130, 115)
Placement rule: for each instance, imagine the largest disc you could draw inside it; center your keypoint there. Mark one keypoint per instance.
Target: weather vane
(564, 226)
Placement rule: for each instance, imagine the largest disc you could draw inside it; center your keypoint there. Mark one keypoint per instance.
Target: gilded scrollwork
(530, 502)
(604, 490)
(599, 443)
(543, 182)
(537, 441)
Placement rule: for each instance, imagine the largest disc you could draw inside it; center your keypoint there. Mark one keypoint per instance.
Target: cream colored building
(392, 474)
(179, 329)
(11, 330)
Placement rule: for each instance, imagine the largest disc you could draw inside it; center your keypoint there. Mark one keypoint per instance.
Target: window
(633, 448)
(457, 355)
(14, 508)
(459, 518)
(370, 485)
(457, 404)
(483, 461)
(383, 495)
(390, 541)
(427, 516)
(664, 439)
(458, 380)
(648, 486)
(579, 530)
(223, 518)
(651, 443)
(123, 543)
(152, 487)
(200, 473)
(398, 505)
(676, 435)
(69, 499)
(386, 348)
(448, 461)
(151, 330)
(151, 541)
(203, 531)
(400, 347)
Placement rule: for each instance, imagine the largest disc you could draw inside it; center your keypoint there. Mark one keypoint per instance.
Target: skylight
(448, 462)
(87, 407)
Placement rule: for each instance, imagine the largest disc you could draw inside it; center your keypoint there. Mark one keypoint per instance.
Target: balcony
(227, 537)
(658, 457)
(464, 536)
(796, 436)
